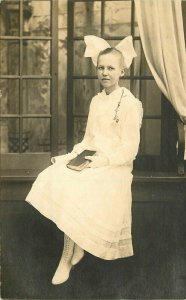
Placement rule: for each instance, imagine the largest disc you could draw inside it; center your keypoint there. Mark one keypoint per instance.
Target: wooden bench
(15, 183)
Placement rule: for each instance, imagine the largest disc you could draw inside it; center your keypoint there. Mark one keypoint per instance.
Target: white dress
(93, 207)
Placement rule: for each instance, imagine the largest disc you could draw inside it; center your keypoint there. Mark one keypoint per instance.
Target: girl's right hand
(65, 158)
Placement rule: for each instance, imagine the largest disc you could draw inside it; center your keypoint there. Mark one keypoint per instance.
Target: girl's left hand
(97, 161)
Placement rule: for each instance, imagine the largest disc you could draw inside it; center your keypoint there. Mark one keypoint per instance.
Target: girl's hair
(115, 52)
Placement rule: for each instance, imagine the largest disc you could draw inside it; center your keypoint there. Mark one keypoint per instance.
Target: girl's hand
(63, 158)
(97, 161)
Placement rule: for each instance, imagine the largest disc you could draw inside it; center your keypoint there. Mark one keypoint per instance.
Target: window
(113, 20)
(28, 80)
(32, 112)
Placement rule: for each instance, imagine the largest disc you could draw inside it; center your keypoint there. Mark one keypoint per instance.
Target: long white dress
(93, 206)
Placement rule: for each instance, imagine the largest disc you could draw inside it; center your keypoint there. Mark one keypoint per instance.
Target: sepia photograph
(93, 149)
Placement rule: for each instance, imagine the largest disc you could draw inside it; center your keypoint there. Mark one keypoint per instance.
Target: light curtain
(161, 30)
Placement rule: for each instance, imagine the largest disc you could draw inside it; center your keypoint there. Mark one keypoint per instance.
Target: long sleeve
(126, 152)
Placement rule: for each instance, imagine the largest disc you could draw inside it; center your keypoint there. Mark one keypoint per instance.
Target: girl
(93, 207)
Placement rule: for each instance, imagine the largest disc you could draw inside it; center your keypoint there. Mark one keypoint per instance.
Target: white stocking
(63, 270)
(78, 254)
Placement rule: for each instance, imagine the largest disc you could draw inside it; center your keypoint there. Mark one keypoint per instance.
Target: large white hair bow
(96, 44)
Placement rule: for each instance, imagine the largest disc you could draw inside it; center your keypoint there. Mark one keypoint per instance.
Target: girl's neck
(109, 90)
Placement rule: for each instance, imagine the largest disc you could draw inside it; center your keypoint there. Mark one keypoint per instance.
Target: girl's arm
(126, 152)
(130, 135)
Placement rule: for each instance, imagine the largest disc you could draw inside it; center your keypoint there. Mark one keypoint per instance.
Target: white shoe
(63, 270)
(62, 273)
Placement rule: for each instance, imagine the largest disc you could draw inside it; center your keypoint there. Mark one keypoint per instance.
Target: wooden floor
(31, 247)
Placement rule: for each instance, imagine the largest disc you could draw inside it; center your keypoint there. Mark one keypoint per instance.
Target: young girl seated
(93, 206)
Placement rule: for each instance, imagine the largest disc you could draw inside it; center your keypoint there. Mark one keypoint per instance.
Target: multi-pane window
(111, 20)
(28, 76)
(30, 104)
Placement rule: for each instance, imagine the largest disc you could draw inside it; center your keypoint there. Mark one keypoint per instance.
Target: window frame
(34, 162)
(167, 117)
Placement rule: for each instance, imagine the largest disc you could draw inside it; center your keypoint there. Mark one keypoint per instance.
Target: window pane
(36, 96)
(9, 58)
(9, 135)
(118, 18)
(36, 17)
(87, 18)
(9, 89)
(126, 83)
(150, 137)
(151, 98)
(82, 65)
(79, 129)
(36, 57)
(141, 67)
(38, 133)
(10, 18)
(150, 95)
(84, 90)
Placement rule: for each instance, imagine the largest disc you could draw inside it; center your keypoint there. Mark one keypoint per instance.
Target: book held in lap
(80, 162)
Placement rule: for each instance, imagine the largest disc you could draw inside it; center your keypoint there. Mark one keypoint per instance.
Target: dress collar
(116, 93)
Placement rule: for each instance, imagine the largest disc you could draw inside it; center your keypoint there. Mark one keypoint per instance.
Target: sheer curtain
(161, 30)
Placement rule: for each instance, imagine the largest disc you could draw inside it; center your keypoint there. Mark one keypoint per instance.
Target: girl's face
(109, 71)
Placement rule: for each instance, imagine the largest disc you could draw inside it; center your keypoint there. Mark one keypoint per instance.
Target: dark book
(80, 162)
